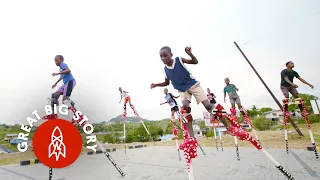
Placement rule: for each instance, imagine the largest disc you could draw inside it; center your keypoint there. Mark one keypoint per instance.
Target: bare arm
(304, 81)
(176, 96)
(288, 81)
(66, 71)
(163, 103)
(120, 99)
(193, 60)
(163, 84)
(58, 80)
(237, 89)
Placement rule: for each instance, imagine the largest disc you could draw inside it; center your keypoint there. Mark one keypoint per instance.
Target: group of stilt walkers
(187, 86)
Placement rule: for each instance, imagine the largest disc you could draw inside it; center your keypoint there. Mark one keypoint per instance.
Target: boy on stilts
(66, 89)
(127, 99)
(173, 104)
(231, 89)
(182, 80)
(287, 85)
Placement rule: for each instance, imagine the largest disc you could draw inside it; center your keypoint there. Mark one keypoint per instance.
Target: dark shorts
(66, 89)
(285, 90)
(213, 101)
(176, 108)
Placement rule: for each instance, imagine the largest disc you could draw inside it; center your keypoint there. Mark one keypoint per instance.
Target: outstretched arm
(305, 82)
(176, 96)
(193, 59)
(163, 84)
(58, 80)
(120, 99)
(163, 103)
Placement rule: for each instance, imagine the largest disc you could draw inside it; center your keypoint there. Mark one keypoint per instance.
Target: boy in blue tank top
(173, 104)
(182, 80)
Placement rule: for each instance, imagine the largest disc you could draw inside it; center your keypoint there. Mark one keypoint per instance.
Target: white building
(196, 130)
(275, 115)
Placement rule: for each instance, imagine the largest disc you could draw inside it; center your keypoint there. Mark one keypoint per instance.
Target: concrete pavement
(154, 163)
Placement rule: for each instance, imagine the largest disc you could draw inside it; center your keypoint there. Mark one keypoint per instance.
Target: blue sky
(109, 44)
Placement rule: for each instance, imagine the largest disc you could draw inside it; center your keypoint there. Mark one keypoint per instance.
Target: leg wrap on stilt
(186, 114)
(55, 99)
(285, 103)
(300, 103)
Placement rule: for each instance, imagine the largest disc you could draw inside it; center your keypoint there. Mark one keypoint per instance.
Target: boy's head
(58, 59)
(226, 80)
(120, 89)
(290, 64)
(165, 54)
(208, 90)
(165, 90)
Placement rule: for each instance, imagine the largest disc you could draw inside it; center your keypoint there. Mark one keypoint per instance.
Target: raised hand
(188, 50)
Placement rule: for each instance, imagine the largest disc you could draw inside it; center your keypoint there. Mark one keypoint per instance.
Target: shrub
(261, 124)
(313, 118)
(109, 138)
(210, 134)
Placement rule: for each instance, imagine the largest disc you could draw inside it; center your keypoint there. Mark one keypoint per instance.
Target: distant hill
(132, 119)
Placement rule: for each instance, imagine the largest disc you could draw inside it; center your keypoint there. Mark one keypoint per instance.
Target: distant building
(196, 130)
(275, 115)
(8, 137)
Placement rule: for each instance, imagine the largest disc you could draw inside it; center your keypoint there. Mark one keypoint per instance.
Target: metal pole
(265, 85)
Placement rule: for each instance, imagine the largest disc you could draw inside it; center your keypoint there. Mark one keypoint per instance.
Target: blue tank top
(179, 76)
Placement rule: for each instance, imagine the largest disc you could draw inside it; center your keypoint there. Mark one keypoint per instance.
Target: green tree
(202, 124)
(265, 109)
(253, 111)
(169, 128)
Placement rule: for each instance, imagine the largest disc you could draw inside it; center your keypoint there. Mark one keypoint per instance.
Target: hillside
(132, 119)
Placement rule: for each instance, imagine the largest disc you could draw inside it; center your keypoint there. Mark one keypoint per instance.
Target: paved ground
(154, 163)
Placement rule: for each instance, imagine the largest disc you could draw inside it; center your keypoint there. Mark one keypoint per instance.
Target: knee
(173, 119)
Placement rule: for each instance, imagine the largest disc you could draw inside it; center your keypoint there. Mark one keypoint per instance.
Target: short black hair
(288, 63)
(60, 57)
(166, 48)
